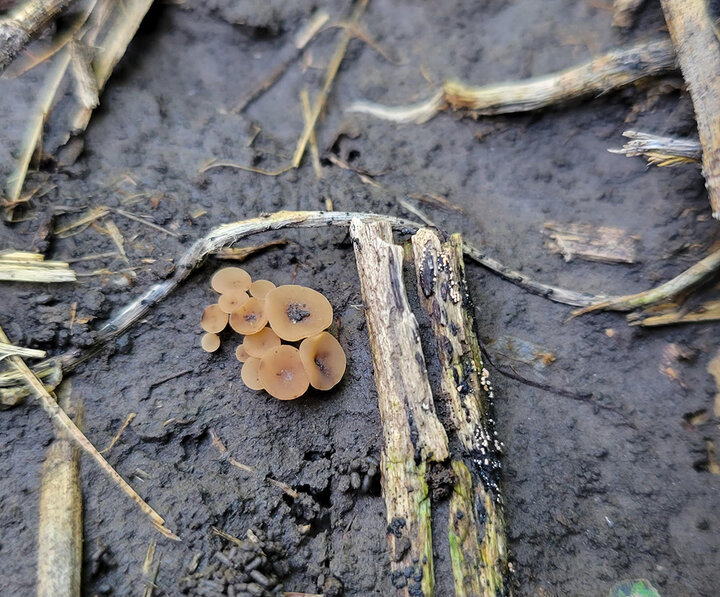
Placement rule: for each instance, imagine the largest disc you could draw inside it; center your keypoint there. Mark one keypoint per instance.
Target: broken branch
(698, 52)
(660, 151)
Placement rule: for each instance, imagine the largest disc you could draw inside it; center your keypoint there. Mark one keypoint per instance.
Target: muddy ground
(592, 497)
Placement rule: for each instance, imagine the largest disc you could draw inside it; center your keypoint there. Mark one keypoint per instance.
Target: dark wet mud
(593, 495)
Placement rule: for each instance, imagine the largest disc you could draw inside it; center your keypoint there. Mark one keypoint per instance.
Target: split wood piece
(592, 243)
(478, 548)
(60, 530)
(412, 434)
(692, 277)
(65, 424)
(660, 151)
(25, 23)
(698, 51)
(22, 266)
(606, 73)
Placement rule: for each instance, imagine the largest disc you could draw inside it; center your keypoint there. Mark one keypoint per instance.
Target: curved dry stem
(613, 70)
(687, 280)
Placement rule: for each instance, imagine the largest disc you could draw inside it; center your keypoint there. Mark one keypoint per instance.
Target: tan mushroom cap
(249, 318)
(230, 301)
(296, 312)
(214, 319)
(210, 342)
(228, 279)
(282, 373)
(249, 374)
(260, 288)
(241, 354)
(256, 345)
(323, 359)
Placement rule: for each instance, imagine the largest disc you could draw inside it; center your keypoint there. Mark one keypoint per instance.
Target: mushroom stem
(478, 549)
(412, 434)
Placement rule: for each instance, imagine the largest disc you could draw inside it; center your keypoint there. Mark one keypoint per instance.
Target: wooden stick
(660, 151)
(412, 434)
(698, 52)
(65, 424)
(25, 23)
(606, 73)
(478, 548)
(60, 531)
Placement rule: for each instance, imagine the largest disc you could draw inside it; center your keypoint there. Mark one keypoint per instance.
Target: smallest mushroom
(210, 342)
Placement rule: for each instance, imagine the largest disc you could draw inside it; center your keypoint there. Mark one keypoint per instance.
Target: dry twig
(21, 266)
(611, 71)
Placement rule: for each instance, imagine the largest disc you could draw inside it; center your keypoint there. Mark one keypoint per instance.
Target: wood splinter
(476, 527)
(413, 437)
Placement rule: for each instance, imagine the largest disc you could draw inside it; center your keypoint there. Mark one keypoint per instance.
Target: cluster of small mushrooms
(294, 314)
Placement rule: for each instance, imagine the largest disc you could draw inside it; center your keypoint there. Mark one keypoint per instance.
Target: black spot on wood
(427, 273)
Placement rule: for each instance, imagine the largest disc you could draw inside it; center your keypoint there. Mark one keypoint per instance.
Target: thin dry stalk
(660, 151)
(60, 529)
(606, 73)
(65, 425)
(709, 311)
(307, 116)
(698, 51)
(21, 266)
(149, 571)
(25, 23)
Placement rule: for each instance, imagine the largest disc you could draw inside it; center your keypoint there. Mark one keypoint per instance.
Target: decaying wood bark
(412, 434)
(624, 12)
(60, 526)
(478, 547)
(698, 52)
(24, 23)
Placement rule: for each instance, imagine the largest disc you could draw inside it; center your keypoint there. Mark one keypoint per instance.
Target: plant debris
(592, 243)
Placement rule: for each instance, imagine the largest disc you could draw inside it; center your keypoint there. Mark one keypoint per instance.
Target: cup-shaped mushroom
(256, 345)
(230, 301)
(210, 342)
(260, 288)
(323, 359)
(214, 319)
(249, 318)
(241, 354)
(282, 373)
(296, 312)
(250, 374)
(228, 279)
